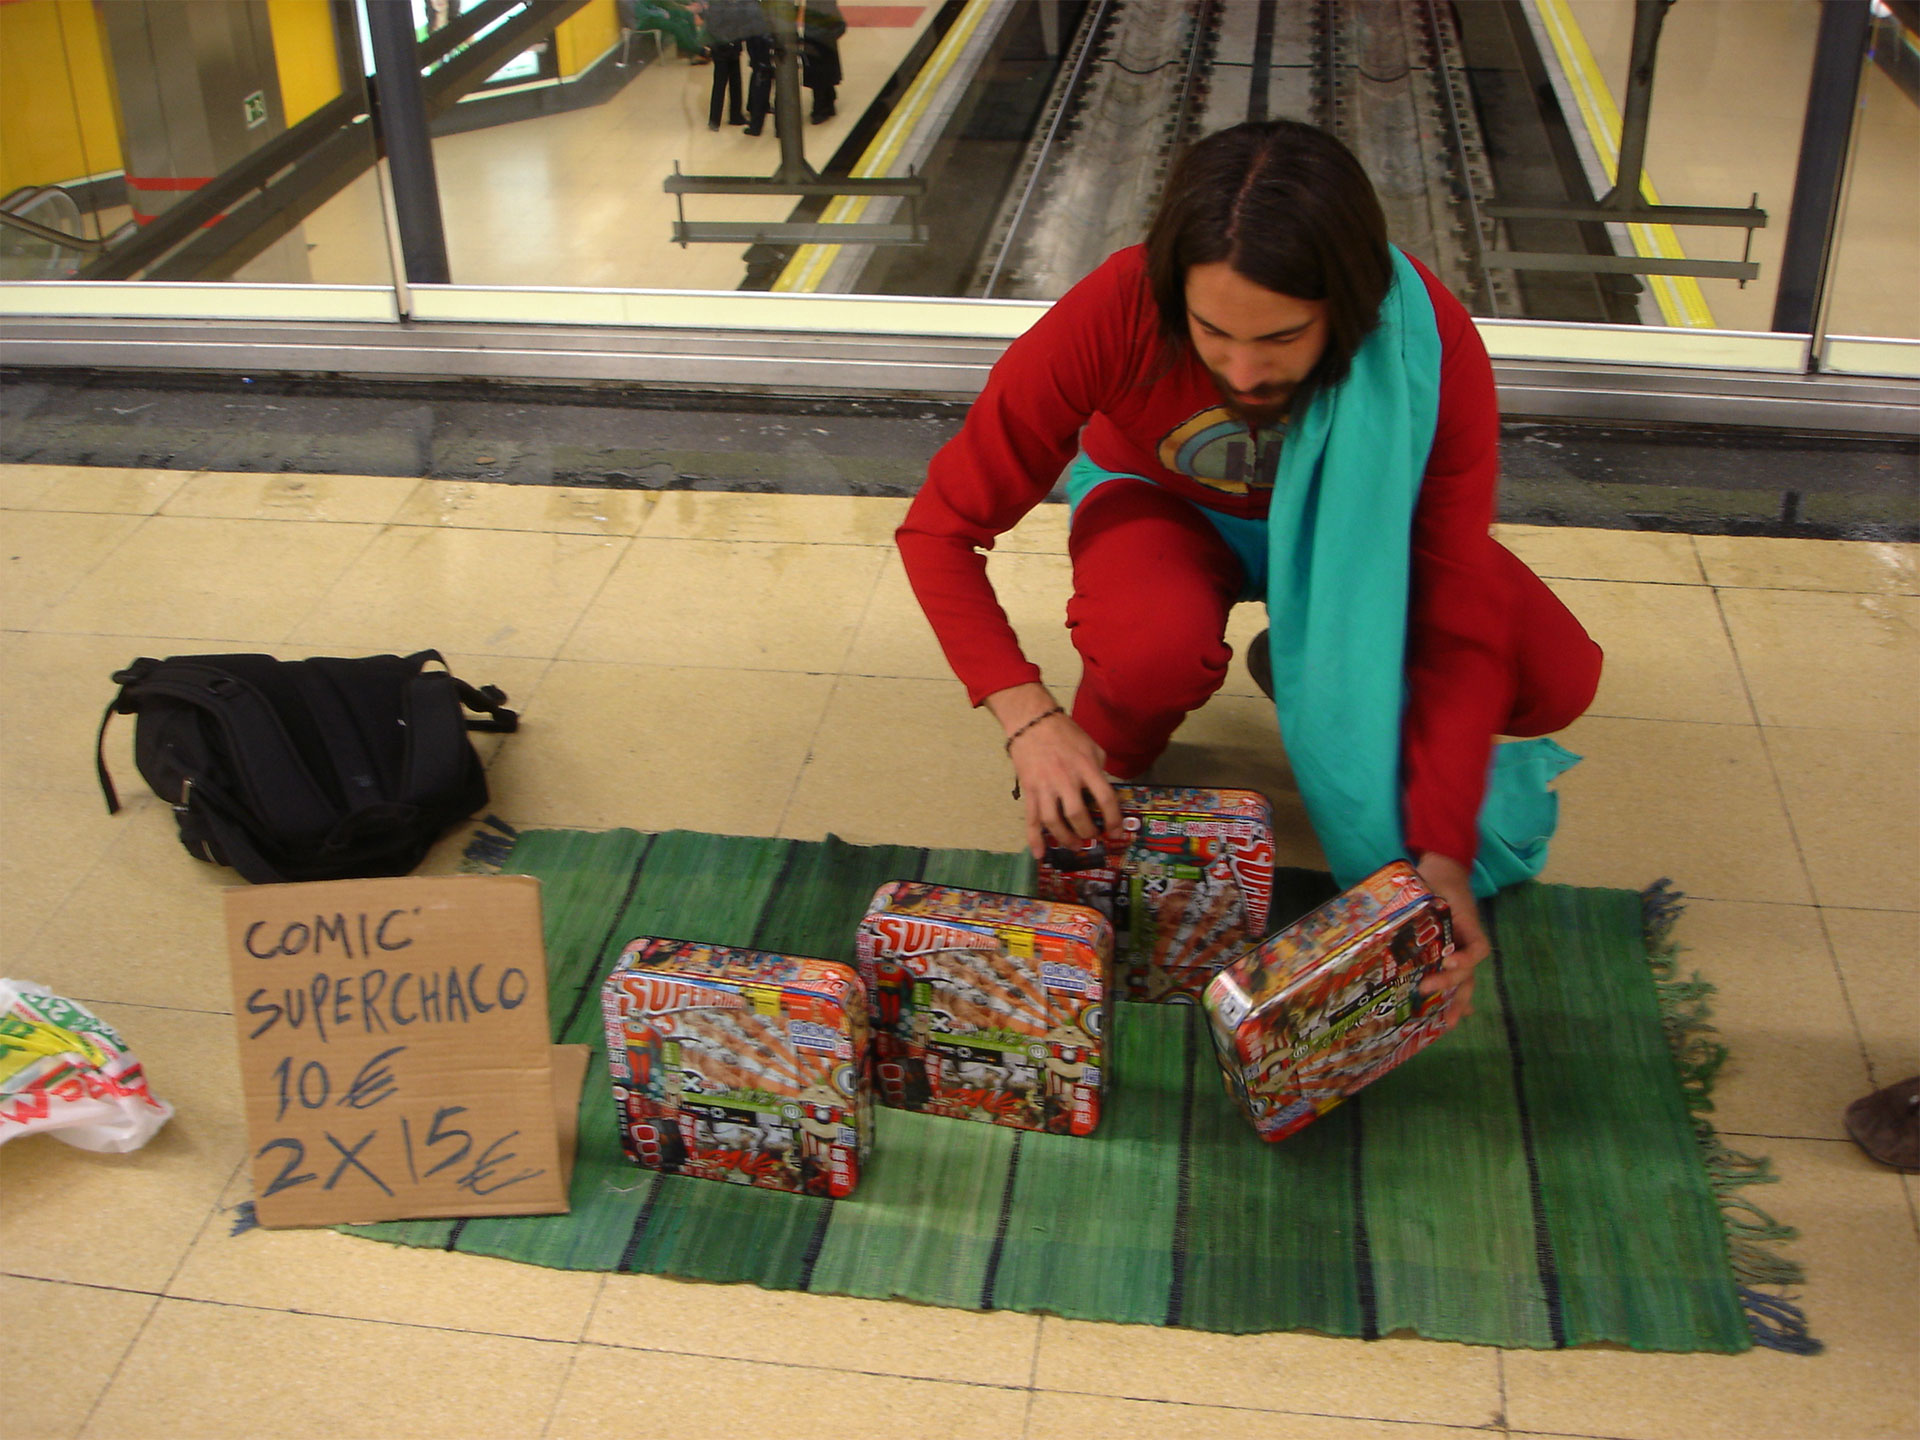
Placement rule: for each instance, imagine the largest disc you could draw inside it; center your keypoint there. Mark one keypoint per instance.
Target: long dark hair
(1289, 208)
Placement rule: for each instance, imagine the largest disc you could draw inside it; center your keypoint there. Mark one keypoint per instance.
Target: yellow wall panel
(56, 101)
(305, 55)
(585, 36)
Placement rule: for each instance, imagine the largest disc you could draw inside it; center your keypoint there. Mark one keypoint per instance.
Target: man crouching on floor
(1268, 401)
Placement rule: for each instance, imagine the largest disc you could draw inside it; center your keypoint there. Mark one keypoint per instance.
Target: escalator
(43, 235)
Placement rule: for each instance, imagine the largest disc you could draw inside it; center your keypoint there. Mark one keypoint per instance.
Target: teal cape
(1336, 552)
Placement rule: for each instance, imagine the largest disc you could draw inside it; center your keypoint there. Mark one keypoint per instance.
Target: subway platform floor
(755, 663)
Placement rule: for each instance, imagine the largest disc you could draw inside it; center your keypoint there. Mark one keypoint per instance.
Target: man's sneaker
(1260, 663)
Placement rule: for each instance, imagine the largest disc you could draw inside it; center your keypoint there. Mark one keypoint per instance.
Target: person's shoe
(1260, 662)
(753, 130)
(820, 117)
(1886, 1124)
(738, 120)
(713, 125)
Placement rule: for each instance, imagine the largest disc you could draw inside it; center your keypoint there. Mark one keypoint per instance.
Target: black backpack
(319, 769)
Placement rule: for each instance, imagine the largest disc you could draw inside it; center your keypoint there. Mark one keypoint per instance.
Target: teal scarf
(1339, 538)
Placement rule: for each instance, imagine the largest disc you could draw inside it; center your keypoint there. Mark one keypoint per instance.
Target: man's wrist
(1434, 860)
(1020, 705)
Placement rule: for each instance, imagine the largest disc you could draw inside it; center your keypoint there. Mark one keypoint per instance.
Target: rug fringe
(488, 847)
(1660, 907)
(1778, 1323)
(1753, 1236)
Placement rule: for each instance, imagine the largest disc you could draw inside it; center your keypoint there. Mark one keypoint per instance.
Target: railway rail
(1143, 79)
(1389, 82)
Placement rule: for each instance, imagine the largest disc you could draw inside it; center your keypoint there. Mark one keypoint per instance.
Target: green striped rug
(1539, 1178)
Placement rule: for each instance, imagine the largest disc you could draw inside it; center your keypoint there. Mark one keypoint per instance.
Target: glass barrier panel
(561, 182)
(1872, 289)
(595, 159)
(1035, 139)
(187, 141)
(1720, 125)
(60, 169)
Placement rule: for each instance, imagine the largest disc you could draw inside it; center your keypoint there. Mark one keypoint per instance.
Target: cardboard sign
(394, 1049)
(569, 1079)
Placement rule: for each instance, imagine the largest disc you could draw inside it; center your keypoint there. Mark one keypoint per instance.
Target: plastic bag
(65, 1070)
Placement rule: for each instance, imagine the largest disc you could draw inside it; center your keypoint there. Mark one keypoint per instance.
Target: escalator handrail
(25, 195)
(49, 233)
(14, 201)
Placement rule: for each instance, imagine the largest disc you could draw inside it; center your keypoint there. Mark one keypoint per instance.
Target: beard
(1268, 406)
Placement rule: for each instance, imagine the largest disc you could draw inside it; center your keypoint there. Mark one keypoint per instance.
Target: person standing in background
(731, 25)
(822, 25)
(760, 76)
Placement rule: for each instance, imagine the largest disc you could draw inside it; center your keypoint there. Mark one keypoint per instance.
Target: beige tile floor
(752, 663)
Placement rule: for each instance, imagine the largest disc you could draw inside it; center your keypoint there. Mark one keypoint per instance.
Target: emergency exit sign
(255, 106)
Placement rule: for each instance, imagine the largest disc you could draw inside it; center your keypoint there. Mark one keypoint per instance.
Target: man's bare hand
(1453, 883)
(1061, 771)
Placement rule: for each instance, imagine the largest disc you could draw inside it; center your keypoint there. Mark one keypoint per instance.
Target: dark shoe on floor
(820, 117)
(1260, 663)
(1886, 1124)
(753, 130)
(713, 125)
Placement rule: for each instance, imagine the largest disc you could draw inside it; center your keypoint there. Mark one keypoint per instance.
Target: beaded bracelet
(1043, 715)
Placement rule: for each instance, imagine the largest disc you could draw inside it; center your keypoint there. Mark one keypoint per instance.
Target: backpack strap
(488, 700)
(439, 758)
(121, 704)
(491, 701)
(210, 832)
(100, 760)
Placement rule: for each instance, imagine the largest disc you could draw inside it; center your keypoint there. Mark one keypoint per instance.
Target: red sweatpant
(1152, 585)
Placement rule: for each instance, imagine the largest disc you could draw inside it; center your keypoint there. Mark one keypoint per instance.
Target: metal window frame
(854, 346)
(857, 346)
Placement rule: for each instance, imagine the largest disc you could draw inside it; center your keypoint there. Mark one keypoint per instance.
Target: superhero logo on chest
(1217, 450)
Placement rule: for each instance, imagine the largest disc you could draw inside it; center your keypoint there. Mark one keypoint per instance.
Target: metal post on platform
(1648, 16)
(400, 111)
(787, 119)
(1805, 259)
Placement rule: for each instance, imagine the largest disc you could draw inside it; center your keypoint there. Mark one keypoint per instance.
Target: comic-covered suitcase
(987, 1006)
(740, 1065)
(1188, 890)
(1331, 1003)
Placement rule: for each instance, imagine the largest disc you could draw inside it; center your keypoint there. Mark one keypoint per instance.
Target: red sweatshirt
(1096, 360)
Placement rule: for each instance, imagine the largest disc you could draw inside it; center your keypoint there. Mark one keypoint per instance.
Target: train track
(1143, 78)
(1389, 82)
(1127, 98)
